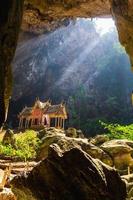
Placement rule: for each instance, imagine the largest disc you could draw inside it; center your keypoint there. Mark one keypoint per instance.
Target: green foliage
(117, 131)
(7, 150)
(27, 145)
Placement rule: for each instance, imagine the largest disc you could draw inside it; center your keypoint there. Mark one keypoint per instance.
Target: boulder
(129, 184)
(80, 134)
(99, 139)
(41, 134)
(71, 132)
(114, 147)
(67, 143)
(7, 194)
(70, 175)
(127, 142)
(121, 153)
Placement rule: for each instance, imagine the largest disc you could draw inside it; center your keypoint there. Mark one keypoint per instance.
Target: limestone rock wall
(43, 15)
(10, 19)
(123, 14)
(51, 11)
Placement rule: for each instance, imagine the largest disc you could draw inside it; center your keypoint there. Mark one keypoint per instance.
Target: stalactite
(10, 20)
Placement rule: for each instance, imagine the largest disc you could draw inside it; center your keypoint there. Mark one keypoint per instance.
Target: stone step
(17, 167)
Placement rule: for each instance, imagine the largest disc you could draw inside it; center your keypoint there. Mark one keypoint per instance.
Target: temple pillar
(60, 122)
(27, 123)
(49, 122)
(20, 123)
(56, 122)
(40, 121)
(63, 123)
(31, 122)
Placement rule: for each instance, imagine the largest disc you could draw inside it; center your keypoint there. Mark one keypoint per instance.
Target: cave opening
(80, 63)
(66, 54)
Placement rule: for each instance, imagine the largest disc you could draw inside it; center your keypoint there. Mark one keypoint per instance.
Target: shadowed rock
(10, 20)
(72, 175)
(9, 138)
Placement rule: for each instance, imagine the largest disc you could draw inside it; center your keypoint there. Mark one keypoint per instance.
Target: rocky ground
(115, 153)
(69, 175)
(73, 167)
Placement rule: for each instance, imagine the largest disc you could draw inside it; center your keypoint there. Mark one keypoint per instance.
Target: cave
(39, 16)
(69, 63)
(46, 46)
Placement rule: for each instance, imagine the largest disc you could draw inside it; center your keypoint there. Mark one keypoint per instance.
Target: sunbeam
(75, 65)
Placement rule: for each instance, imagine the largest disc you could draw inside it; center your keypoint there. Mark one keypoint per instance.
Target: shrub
(117, 131)
(27, 144)
(6, 150)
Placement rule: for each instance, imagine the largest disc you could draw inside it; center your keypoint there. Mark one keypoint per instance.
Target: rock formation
(123, 16)
(6, 194)
(70, 175)
(55, 136)
(10, 20)
(115, 153)
(9, 138)
(41, 14)
(45, 12)
(129, 184)
(121, 153)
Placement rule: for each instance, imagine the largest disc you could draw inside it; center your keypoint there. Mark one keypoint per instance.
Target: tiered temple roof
(26, 111)
(46, 108)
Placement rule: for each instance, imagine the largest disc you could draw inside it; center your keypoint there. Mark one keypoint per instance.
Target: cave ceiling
(46, 15)
(40, 15)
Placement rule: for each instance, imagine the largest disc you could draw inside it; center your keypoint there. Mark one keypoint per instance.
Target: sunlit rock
(7, 194)
(123, 16)
(120, 152)
(99, 139)
(54, 136)
(129, 184)
(71, 132)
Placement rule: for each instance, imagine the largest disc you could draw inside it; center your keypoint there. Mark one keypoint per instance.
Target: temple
(43, 114)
